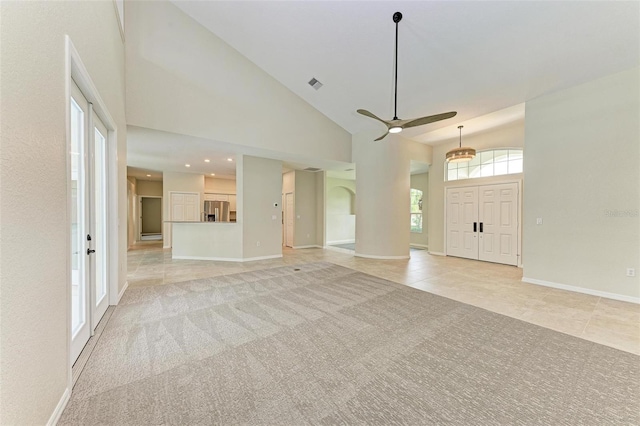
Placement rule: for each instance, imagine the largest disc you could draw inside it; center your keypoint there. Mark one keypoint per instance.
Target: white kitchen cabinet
(216, 197)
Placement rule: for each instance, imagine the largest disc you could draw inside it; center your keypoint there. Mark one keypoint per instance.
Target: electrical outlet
(257, 243)
(631, 272)
(539, 221)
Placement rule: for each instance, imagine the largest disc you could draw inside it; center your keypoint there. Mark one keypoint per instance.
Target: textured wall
(582, 178)
(34, 267)
(259, 188)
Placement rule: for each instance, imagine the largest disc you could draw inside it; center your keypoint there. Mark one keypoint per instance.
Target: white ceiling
(474, 57)
(481, 59)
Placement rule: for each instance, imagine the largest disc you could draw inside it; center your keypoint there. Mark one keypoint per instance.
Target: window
(416, 210)
(494, 162)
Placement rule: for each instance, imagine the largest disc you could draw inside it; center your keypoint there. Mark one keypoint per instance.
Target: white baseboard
(55, 416)
(583, 290)
(372, 256)
(273, 256)
(340, 242)
(124, 288)
(228, 259)
(437, 253)
(424, 246)
(304, 247)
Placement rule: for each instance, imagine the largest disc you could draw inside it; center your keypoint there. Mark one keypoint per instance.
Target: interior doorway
(150, 218)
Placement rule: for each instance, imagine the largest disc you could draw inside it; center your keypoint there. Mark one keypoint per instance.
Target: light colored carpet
(328, 345)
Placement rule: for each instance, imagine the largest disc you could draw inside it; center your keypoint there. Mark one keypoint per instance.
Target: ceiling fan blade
(382, 137)
(428, 119)
(370, 115)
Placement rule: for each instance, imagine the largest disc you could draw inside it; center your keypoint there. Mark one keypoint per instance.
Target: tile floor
(494, 287)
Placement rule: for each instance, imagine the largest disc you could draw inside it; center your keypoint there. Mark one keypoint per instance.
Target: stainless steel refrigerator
(216, 211)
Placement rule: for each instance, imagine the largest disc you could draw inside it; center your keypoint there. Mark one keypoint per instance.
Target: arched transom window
(493, 162)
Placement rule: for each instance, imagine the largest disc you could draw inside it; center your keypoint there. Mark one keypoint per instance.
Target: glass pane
(452, 175)
(474, 171)
(416, 222)
(515, 166)
(500, 168)
(78, 308)
(515, 154)
(500, 155)
(99, 210)
(463, 173)
(486, 157)
(487, 170)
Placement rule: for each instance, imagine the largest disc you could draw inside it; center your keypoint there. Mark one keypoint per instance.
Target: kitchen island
(206, 241)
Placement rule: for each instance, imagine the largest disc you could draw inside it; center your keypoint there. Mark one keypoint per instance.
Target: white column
(382, 196)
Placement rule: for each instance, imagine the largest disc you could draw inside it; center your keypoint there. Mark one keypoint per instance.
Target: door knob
(89, 251)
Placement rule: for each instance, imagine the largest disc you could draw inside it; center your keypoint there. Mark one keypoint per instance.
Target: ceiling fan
(396, 125)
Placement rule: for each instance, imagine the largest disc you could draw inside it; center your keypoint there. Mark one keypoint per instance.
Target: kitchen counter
(191, 240)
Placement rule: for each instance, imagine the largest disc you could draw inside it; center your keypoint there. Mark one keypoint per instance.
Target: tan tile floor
(497, 288)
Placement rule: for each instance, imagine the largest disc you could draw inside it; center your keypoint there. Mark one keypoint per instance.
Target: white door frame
(482, 182)
(286, 218)
(140, 197)
(76, 71)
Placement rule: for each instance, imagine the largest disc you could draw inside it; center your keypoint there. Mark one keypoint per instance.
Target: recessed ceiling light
(229, 159)
(187, 165)
(213, 174)
(206, 160)
(148, 175)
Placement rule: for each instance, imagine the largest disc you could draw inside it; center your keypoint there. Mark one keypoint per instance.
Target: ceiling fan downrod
(397, 17)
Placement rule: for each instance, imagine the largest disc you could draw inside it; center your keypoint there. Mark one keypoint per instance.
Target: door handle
(475, 226)
(89, 251)
(481, 230)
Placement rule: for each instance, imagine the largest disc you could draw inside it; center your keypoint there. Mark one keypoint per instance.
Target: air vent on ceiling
(315, 83)
(312, 169)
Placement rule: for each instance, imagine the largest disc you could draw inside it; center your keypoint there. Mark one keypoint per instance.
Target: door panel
(80, 312)
(462, 212)
(99, 234)
(498, 213)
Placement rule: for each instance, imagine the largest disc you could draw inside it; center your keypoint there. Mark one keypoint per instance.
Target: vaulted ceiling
(474, 57)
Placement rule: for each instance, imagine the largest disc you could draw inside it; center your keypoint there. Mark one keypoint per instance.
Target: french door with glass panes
(89, 256)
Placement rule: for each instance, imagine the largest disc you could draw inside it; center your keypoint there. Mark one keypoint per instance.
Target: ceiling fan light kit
(462, 153)
(396, 125)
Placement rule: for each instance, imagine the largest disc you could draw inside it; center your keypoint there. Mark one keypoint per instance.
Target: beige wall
(259, 184)
(178, 182)
(35, 317)
(219, 186)
(149, 187)
(305, 209)
(214, 92)
(321, 217)
(340, 210)
(510, 135)
(581, 166)
(421, 182)
(151, 215)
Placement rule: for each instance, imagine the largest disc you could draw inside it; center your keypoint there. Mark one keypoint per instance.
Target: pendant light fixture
(462, 153)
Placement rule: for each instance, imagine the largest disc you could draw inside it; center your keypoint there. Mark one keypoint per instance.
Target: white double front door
(482, 223)
(89, 225)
